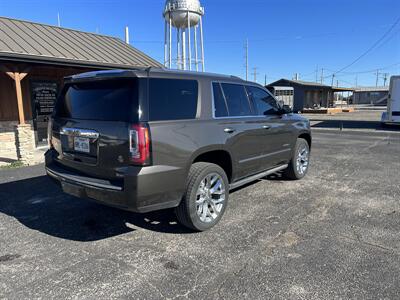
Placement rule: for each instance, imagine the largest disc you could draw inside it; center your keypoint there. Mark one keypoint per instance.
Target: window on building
(172, 99)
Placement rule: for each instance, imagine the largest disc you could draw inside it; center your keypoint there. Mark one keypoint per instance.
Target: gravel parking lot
(335, 234)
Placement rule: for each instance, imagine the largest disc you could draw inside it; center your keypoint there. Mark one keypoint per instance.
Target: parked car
(152, 139)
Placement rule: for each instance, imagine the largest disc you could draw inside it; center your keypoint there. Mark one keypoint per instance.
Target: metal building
(34, 59)
(371, 95)
(310, 94)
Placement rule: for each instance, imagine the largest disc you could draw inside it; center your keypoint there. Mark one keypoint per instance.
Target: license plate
(81, 144)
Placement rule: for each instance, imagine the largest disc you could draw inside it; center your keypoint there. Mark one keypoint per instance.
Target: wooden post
(18, 77)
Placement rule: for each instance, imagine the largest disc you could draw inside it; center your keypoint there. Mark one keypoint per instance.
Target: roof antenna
(58, 20)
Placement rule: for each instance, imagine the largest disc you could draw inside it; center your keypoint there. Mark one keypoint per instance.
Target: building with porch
(371, 95)
(310, 94)
(34, 59)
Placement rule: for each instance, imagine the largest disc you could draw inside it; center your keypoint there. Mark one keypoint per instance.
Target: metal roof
(309, 84)
(299, 82)
(34, 42)
(372, 89)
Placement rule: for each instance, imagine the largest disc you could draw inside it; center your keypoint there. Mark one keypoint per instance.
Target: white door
(395, 98)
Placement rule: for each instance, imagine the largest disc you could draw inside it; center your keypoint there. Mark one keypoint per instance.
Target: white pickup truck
(392, 116)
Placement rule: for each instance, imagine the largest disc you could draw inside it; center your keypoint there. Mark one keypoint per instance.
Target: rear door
(277, 138)
(242, 129)
(91, 125)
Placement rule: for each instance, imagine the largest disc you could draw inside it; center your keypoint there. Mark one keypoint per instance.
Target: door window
(236, 99)
(220, 108)
(263, 102)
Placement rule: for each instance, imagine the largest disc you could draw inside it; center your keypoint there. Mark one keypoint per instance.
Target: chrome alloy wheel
(210, 197)
(302, 160)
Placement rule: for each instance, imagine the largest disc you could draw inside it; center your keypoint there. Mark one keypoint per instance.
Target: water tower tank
(179, 11)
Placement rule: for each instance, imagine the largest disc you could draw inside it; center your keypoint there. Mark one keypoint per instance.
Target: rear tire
(298, 165)
(205, 198)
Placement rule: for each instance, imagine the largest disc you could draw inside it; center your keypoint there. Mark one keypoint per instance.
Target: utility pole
(296, 76)
(316, 75)
(385, 77)
(333, 78)
(322, 76)
(265, 80)
(377, 77)
(246, 47)
(255, 74)
(58, 20)
(337, 83)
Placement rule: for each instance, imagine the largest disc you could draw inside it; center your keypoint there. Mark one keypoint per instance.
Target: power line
(370, 48)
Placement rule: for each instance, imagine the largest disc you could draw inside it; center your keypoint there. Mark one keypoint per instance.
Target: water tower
(185, 16)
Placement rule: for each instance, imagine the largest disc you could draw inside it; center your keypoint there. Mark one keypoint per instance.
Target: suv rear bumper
(138, 189)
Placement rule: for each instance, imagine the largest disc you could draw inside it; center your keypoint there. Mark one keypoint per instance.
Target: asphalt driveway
(335, 234)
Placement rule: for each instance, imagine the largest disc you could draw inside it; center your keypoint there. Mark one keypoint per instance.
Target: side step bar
(255, 177)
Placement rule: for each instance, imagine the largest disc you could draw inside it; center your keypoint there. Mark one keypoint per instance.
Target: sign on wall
(44, 95)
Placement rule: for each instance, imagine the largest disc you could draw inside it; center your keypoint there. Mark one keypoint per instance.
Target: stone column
(25, 143)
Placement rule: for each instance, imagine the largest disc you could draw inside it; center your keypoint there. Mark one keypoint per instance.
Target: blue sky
(285, 36)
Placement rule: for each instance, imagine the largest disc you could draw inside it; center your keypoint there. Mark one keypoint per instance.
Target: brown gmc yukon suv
(151, 139)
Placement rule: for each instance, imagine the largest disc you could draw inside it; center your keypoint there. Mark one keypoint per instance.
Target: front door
(277, 134)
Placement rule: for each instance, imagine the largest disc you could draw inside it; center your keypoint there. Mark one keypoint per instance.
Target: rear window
(220, 109)
(114, 100)
(172, 99)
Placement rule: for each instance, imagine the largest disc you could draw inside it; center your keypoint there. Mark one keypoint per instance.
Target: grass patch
(13, 165)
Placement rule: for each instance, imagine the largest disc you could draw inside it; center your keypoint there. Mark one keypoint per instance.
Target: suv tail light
(139, 145)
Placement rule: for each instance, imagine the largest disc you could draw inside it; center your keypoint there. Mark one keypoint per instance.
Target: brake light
(139, 145)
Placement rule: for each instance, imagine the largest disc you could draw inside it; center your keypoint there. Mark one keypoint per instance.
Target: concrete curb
(381, 133)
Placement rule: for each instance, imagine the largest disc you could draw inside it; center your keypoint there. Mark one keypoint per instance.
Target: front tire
(205, 198)
(298, 165)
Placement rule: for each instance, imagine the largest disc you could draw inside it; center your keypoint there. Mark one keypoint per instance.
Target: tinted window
(264, 103)
(172, 99)
(219, 101)
(236, 99)
(103, 100)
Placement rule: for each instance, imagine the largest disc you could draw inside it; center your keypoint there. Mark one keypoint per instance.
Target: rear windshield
(114, 100)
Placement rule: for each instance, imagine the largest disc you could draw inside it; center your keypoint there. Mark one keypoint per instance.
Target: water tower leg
(202, 44)
(196, 55)
(189, 43)
(184, 49)
(170, 43)
(165, 44)
(178, 57)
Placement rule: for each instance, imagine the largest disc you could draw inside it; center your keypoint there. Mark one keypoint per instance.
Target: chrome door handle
(266, 127)
(229, 130)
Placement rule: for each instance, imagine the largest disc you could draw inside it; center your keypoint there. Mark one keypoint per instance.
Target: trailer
(392, 115)
(284, 94)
